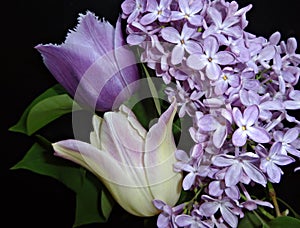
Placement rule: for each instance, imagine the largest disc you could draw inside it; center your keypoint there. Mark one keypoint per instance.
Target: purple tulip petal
(75, 65)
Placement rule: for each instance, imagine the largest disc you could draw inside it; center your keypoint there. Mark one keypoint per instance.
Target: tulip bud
(136, 166)
(94, 58)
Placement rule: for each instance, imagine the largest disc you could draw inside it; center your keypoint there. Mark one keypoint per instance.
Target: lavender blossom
(247, 127)
(155, 11)
(270, 161)
(189, 11)
(225, 205)
(239, 166)
(182, 40)
(211, 59)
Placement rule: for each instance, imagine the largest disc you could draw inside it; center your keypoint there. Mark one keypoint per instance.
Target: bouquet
(183, 119)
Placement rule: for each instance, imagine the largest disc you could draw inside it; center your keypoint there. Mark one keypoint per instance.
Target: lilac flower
(228, 78)
(217, 124)
(155, 11)
(264, 103)
(141, 35)
(293, 102)
(183, 42)
(91, 58)
(290, 48)
(251, 204)
(238, 166)
(225, 205)
(247, 128)
(227, 26)
(211, 59)
(218, 187)
(285, 141)
(189, 10)
(132, 9)
(195, 220)
(166, 218)
(270, 161)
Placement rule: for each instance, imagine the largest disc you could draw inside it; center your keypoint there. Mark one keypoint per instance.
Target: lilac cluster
(240, 91)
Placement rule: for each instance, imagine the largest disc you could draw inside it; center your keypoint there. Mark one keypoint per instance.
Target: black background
(31, 200)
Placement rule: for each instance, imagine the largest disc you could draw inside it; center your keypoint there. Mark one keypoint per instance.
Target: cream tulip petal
(121, 139)
(116, 178)
(95, 135)
(160, 157)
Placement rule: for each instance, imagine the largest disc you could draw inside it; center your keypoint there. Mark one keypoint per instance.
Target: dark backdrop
(31, 200)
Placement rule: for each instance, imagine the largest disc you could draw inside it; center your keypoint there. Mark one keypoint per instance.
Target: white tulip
(136, 166)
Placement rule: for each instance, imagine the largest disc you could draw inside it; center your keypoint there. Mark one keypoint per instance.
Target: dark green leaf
(284, 221)
(48, 110)
(93, 205)
(21, 125)
(250, 220)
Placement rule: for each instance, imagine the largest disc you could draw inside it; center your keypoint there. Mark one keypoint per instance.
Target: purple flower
(182, 40)
(285, 141)
(92, 63)
(156, 11)
(218, 187)
(227, 26)
(216, 124)
(294, 102)
(166, 218)
(211, 59)
(238, 166)
(247, 128)
(225, 205)
(195, 220)
(270, 161)
(290, 48)
(251, 204)
(132, 9)
(228, 78)
(264, 103)
(189, 10)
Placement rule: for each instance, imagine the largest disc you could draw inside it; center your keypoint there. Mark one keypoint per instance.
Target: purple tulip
(92, 64)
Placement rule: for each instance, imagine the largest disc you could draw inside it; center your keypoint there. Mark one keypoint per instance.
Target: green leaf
(153, 90)
(47, 107)
(250, 220)
(48, 110)
(284, 221)
(93, 205)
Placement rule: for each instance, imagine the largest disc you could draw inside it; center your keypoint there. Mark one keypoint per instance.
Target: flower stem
(272, 194)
